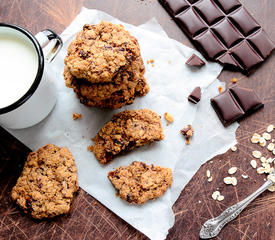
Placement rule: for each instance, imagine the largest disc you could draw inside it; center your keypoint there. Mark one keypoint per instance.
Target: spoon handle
(212, 227)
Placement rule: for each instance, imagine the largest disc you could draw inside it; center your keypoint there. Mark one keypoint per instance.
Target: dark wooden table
(88, 219)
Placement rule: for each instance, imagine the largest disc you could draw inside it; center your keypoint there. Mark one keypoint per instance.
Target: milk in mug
(27, 88)
(18, 67)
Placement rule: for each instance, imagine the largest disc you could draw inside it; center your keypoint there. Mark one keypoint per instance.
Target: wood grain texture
(88, 219)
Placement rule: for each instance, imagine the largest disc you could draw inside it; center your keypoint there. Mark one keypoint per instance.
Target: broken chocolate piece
(195, 61)
(235, 103)
(195, 95)
(222, 30)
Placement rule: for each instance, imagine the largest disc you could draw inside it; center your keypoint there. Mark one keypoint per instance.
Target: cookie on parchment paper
(139, 182)
(101, 51)
(125, 131)
(122, 91)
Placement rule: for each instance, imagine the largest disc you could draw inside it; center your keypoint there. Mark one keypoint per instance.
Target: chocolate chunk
(195, 95)
(222, 30)
(28, 205)
(195, 61)
(83, 55)
(248, 100)
(187, 131)
(235, 103)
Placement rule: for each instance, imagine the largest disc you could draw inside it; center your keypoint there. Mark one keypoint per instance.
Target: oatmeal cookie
(126, 87)
(101, 51)
(47, 183)
(127, 130)
(139, 182)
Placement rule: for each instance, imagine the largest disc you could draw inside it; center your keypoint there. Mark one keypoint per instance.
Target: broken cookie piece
(47, 183)
(187, 132)
(77, 116)
(127, 130)
(140, 182)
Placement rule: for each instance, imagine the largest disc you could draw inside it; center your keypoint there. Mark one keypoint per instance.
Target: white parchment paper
(170, 85)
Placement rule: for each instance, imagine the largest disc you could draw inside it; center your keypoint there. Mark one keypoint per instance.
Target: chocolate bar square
(222, 30)
(227, 108)
(235, 103)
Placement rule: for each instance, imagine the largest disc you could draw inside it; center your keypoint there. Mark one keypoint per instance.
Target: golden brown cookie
(139, 182)
(125, 87)
(101, 51)
(47, 183)
(127, 130)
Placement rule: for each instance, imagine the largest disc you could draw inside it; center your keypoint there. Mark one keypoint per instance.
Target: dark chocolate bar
(235, 103)
(223, 30)
(195, 61)
(195, 95)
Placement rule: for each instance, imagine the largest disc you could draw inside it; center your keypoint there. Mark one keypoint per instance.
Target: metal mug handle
(46, 36)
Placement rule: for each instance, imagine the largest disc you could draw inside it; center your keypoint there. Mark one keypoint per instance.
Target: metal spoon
(212, 227)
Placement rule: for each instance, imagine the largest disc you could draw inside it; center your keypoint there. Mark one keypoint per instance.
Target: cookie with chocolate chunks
(139, 182)
(47, 183)
(125, 131)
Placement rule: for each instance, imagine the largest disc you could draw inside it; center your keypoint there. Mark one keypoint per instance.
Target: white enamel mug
(25, 104)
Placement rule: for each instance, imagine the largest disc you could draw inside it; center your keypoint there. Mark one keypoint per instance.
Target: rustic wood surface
(88, 219)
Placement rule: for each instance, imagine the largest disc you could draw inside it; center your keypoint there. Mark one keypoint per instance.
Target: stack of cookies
(104, 66)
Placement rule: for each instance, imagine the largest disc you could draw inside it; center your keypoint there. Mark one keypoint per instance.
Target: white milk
(18, 66)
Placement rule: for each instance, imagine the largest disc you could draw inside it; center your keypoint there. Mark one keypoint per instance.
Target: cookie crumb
(77, 116)
(90, 148)
(148, 61)
(220, 89)
(152, 60)
(168, 118)
(234, 80)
